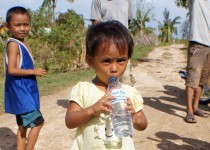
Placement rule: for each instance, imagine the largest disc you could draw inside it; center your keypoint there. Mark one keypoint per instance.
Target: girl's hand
(129, 106)
(39, 72)
(103, 105)
(139, 119)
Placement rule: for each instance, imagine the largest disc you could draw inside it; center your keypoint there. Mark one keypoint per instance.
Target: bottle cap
(112, 79)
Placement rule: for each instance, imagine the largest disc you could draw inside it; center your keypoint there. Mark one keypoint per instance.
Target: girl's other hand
(129, 106)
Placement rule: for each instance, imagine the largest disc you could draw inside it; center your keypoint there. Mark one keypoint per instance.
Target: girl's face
(108, 62)
(19, 26)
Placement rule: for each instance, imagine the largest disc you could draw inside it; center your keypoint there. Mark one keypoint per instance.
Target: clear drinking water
(121, 118)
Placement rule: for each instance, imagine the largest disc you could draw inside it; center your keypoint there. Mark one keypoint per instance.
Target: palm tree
(167, 28)
(143, 15)
(48, 8)
(181, 3)
(138, 24)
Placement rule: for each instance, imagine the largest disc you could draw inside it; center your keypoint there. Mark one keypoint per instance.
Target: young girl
(108, 49)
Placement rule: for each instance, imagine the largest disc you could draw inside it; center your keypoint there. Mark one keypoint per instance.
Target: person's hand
(129, 106)
(103, 105)
(39, 72)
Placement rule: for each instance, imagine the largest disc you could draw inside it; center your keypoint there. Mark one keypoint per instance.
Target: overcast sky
(83, 7)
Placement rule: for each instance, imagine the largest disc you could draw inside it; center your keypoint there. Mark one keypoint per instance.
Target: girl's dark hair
(107, 33)
(16, 10)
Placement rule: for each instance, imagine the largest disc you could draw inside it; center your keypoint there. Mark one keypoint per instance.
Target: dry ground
(163, 91)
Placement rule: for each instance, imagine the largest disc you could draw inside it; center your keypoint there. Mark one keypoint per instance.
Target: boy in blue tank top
(21, 89)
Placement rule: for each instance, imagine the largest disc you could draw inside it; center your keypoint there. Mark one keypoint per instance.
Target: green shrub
(62, 47)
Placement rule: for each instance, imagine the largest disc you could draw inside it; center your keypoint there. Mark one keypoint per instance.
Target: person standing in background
(120, 10)
(198, 63)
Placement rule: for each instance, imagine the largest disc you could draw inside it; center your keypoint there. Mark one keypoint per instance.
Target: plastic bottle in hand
(121, 118)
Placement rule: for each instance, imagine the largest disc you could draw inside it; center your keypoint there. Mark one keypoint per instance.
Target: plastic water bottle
(121, 118)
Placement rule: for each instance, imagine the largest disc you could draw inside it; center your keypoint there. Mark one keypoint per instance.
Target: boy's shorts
(198, 65)
(30, 119)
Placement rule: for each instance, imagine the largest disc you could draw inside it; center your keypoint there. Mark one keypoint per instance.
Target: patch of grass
(1, 93)
(54, 82)
(140, 51)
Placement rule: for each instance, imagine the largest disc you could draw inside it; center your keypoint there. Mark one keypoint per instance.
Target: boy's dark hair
(107, 33)
(16, 10)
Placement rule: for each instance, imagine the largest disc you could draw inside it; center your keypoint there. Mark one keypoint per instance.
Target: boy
(21, 90)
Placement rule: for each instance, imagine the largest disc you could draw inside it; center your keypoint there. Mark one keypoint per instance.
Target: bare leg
(21, 138)
(189, 99)
(192, 98)
(32, 137)
(196, 99)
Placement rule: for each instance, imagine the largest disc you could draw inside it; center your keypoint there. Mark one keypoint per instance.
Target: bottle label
(119, 94)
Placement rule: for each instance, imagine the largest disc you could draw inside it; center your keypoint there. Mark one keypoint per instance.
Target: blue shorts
(30, 119)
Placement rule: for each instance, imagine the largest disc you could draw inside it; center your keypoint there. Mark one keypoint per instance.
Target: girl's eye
(107, 60)
(26, 24)
(17, 25)
(121, 60)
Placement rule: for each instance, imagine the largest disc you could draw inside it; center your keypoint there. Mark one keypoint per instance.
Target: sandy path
(163, 91)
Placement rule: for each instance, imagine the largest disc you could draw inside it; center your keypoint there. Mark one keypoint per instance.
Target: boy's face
(19, 26)
(108, 62)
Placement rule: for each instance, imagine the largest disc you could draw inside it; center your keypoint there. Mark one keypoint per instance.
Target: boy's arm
(13, 54)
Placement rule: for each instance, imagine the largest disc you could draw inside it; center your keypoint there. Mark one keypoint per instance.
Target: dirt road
(163, 91)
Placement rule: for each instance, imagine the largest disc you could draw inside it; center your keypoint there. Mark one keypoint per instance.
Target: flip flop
(190, 118)
(200, 113)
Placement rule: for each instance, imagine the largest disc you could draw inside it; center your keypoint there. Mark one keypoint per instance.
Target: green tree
(185, 25)
(60, 46)
(185, 29)
(48, 8)
(66, 41)
(167, 28)
(144, 13)
(181, 3)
